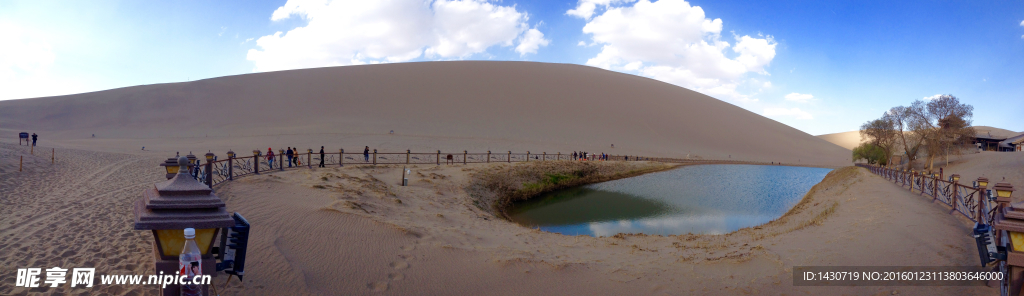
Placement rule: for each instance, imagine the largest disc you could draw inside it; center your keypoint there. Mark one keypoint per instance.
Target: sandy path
(74, 213)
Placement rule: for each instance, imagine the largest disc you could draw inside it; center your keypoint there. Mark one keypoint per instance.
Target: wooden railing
(972, 202)
(219, 171)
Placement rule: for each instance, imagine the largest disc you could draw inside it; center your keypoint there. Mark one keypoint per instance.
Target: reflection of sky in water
(710, 199)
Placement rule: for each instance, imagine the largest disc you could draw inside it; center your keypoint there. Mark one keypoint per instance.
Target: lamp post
(209, 168)
(168, 208)
(171, 165)
(1009, 224)
(981, 185)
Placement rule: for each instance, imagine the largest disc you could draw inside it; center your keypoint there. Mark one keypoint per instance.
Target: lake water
(710, 199)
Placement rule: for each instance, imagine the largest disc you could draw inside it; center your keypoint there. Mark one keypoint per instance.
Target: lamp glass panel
(1003, 193)
(1017, 239)
(173, 240)
(172, 169)
(983, 184)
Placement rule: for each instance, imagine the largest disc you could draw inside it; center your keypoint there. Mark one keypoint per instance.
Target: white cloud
(1022, 23)
(783, 112)
(932, 97)
(531, 41)
(25, 62)
(676, 43)
(767, 84)
(799, 98)
(585, 8)
(348, 32)
(222, 29)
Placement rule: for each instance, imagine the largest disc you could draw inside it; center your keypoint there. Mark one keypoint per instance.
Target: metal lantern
(982, 182)
(171, 165)
(954, 178)
(173, 205)
(209, 156)
(1003, 191)
(192, 160)
(231, 154)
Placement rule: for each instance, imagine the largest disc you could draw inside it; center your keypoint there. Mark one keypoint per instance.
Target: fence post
(256, 161)
(309, 158)
(509, 159)
(913, 178)
(956, 181)
(407, 152)
(231, 165)
(488, 156)
(374, 156)
(527, 156)
(52, 153)
(438, 157)
(464, 156)
(558, 156)
(209, 171)
(20, 160)
(341, 157)
(280, 164)
(544, 156)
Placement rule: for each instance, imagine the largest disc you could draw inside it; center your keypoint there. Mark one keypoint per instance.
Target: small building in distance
(1015, 143)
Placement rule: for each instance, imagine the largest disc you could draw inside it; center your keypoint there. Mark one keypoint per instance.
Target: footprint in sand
(408, 248)
(399, 265)
(380, 286)
(396, 276)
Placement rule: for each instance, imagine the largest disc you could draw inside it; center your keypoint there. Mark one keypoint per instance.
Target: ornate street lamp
(171, 165)
(955, 178)
(173, 205)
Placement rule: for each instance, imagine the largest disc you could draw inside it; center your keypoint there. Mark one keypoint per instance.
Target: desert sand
(354, 230)
(848, 140)
(334, 231)
(451, 106)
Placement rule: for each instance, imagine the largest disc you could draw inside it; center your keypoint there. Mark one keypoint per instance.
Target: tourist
(366, 154)
(322, 156)
(574, 155)
(34, 138)
(291, 155)
(270, 157)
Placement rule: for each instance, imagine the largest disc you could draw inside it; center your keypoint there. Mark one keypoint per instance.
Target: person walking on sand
(574, 155)
(322, 156)
(366, 154)
(34, 138)
(291, 154)
(270, 157)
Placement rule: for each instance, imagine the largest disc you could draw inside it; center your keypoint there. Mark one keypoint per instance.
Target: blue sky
(818, 66)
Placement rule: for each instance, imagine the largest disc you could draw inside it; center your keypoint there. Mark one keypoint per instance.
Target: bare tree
(946, 126)
(904, 120)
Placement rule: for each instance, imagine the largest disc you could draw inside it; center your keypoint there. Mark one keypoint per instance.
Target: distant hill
(848, 140)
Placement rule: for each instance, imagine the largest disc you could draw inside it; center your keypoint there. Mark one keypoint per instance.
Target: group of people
(292, 154)
(583, 155)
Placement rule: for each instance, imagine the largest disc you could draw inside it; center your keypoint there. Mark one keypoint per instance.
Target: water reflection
(710, 199)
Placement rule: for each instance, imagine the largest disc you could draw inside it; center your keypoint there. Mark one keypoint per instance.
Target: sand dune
(475, 105)
(848, 140)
